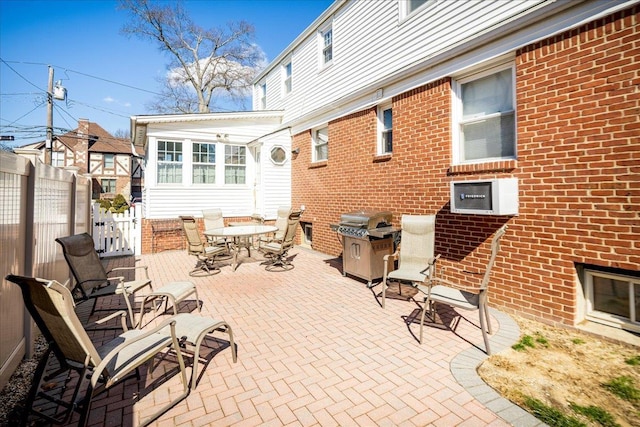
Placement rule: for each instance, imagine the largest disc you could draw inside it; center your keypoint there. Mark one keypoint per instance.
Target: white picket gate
(117, 234)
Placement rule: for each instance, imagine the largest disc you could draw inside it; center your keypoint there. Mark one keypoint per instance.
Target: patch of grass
(527, 341)
(624, 388)
(578, 341)
(542, 340)
(595, 414)
(549, 415)
(633, 361)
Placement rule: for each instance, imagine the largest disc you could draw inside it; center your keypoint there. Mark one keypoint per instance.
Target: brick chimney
(82, 146)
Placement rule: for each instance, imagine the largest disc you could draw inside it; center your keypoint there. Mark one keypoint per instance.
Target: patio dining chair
(92, 281)
(466, 294)
(97, 369)
(276, 251)
(213, 219)
(281, 223)
(414, 254)
(204, 251)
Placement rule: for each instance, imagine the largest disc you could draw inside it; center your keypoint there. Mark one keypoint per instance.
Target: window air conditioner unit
(485, 197)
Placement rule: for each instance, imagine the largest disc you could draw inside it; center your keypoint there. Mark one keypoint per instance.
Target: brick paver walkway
(316, 349)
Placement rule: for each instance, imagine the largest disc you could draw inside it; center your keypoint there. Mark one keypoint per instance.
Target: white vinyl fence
(116, 234)
(38, 203)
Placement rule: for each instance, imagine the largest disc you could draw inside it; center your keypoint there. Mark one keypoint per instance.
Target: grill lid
(366, 219)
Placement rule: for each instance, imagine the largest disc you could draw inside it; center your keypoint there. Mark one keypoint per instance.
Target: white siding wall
(374, 47)
(172, 200)
(276, 179)
(371, 41)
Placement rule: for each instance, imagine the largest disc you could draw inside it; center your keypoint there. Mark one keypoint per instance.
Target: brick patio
(316, 348)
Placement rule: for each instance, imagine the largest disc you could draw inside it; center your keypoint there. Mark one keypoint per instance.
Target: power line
(76, 72)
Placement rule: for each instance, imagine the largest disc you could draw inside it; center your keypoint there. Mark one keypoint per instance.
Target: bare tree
(220, 62)
(122, 133)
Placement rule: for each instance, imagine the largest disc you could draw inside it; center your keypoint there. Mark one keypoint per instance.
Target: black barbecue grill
(367, 236)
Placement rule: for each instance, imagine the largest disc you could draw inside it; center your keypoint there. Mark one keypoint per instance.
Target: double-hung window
(263, 96)
(235, 164)
(109, 161)
(169, 162)
(321, 144)
(327, 45)
(485, 116)
(204, 163)
(108, 185)
(287, 77)
(57, 158)
(385, 129)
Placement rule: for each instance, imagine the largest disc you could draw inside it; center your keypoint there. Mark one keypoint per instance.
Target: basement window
(613, 298)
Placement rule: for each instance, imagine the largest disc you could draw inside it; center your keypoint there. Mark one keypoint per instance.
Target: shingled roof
(103, 141)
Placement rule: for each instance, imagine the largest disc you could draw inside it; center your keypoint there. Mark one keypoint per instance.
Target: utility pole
(49, 141)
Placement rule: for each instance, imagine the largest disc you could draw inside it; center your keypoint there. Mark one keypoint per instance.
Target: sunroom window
(204, 163)
(169, 162)
(235, 164)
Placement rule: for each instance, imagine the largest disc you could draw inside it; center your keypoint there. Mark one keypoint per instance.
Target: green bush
(105, 205)
(119, 202)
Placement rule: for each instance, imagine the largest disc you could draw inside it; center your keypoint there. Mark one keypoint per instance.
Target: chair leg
(384, 290)
(483, 326)
(424, 311)
(486, 313)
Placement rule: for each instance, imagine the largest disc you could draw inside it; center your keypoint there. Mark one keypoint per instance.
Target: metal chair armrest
(123, 319)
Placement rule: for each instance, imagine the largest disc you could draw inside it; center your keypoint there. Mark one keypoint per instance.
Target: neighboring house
(237, 162)
(389, 102)
(92, 150)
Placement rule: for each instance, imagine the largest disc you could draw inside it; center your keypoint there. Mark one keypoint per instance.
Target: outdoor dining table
(236, 233)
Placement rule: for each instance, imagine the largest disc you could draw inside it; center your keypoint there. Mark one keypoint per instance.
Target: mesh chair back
(290, 233)
(194, 242)
(418, 240)
(495, 248)
(83, 261)
(52, 308)
(282, 221)
(212, 218)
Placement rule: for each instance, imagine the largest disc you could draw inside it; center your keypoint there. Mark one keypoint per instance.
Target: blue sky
(108, 76)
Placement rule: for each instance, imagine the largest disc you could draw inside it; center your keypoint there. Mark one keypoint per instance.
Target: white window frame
(274, 155)
(458, 121)
(207, 164)
(58, 158)
(287, 81)
(112, 162)
(178, 164)
(263, 95)
(406, 10)
(237, 160)
(103, 181)
(324, 47)
(318, 143)
(382, 146)
(633, 322)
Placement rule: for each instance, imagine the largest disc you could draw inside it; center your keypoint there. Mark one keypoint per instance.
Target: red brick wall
(166, 234)
(578, 127)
